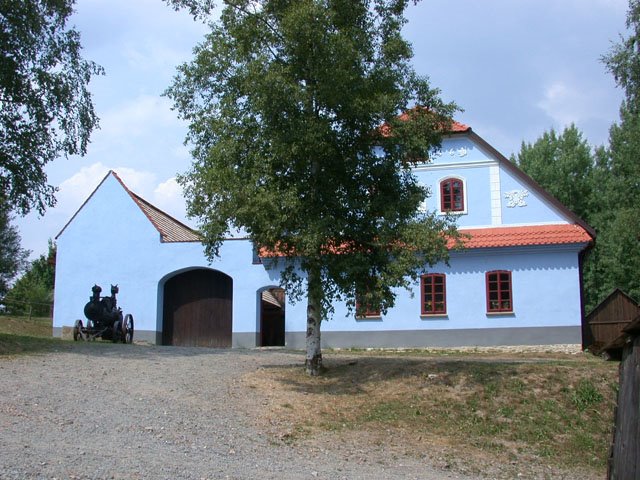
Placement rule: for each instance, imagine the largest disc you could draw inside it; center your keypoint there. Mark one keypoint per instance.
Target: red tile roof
(457, 127)
(556, 234)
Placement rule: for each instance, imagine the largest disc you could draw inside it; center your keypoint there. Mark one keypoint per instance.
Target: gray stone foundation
(485, 337)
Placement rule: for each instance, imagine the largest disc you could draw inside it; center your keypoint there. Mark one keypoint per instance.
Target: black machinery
(104, 319)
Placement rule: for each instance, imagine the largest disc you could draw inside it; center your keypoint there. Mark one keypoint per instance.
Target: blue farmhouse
(516, 282)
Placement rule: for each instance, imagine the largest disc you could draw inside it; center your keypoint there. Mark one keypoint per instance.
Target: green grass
(21, 335)
(558, 409)
(11, 344)
(33, 327)
(561, 412)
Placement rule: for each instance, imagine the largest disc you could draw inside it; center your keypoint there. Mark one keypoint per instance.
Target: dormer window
(452, 195)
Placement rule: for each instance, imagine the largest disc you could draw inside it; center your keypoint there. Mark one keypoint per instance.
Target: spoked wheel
(117, 330)
(77, 331)
(127, 329)
(90, 332)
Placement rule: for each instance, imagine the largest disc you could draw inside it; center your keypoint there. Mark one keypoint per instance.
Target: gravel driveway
(147, 412)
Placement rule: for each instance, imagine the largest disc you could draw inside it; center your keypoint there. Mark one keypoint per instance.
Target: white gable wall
(493, 195)
(111, 241)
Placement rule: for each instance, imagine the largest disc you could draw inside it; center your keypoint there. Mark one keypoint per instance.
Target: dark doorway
(272, 302)
(197, 309)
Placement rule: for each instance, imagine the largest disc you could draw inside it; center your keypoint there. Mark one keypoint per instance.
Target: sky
(517, 68)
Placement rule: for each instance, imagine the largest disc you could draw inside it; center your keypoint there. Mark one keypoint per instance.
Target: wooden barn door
(198, 309)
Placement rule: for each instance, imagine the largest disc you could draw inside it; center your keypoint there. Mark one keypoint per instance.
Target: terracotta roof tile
(459, 127)
(556, 234)
(171, 230)
(456, 127)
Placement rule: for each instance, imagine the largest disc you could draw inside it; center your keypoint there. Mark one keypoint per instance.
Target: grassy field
(33, 327)
(24, 335)
(543, 414)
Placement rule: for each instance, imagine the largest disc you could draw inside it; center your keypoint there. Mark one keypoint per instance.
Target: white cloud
(168, 197)
(150, 56)
(569, 102)
(76, 189)
(141, 115)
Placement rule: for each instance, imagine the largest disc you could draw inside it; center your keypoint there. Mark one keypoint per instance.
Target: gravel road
(105, 411)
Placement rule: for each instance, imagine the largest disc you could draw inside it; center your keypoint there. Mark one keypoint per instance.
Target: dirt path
(144, 412)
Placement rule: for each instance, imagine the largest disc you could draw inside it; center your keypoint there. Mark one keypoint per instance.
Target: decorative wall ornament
(453, 152)
(516, 198)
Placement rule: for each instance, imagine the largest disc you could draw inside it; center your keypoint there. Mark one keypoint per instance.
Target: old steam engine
(104, 319)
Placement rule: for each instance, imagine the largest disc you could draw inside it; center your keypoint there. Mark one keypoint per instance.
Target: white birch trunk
(313, 360)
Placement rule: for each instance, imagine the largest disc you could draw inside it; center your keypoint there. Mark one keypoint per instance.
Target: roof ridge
(136, 199)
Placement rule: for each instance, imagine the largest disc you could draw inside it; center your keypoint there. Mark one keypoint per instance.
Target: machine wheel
(127, 329)
(117, 329)
(89, 331)
(77, 330)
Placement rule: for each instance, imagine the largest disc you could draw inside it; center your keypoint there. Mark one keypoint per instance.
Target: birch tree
(305, 118)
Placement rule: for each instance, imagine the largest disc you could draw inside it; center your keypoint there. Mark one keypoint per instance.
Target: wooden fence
(624, 462)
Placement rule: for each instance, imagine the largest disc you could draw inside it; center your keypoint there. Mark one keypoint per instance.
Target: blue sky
(517, 67)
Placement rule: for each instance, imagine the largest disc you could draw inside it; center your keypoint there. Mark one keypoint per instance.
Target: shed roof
(618, 297)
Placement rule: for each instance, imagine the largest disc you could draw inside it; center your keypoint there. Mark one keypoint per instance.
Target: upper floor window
(433, 294)
(452, 195)
(499, 293)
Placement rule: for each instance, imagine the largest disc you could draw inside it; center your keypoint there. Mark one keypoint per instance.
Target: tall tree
(623, 60)
(33, 292)
(567, 167)
(562, 164)
(304, 128)
(619, 227)
(13, 258)
(45, 107)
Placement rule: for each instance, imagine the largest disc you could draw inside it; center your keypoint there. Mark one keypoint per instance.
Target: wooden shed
(606, 322)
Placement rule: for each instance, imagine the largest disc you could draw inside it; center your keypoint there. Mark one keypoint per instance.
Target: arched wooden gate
(197, 309)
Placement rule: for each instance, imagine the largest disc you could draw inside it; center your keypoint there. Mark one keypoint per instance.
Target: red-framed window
(433, 294)
(499, 292)
(364, 310)
(452, 195)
